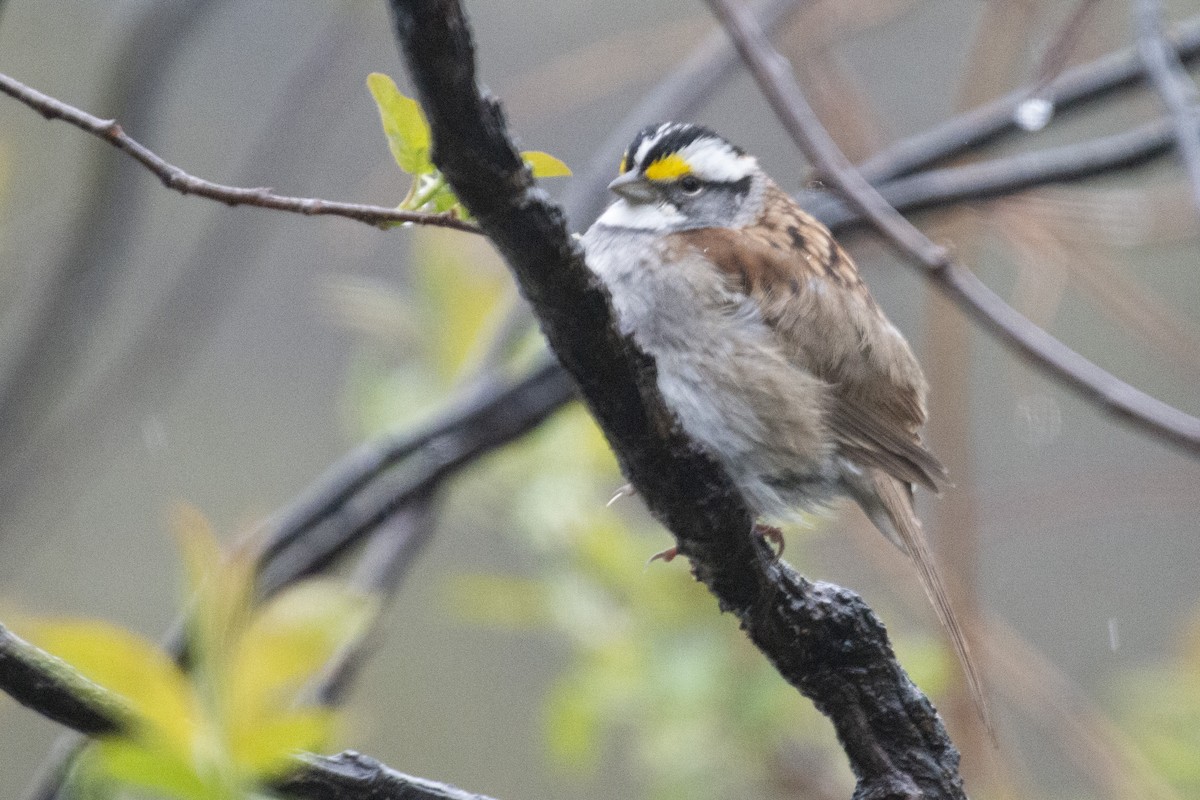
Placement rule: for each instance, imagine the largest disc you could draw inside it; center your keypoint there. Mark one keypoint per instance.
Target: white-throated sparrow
(769, 347)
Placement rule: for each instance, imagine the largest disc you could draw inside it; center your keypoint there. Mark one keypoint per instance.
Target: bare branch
(350, 500)
(1174, 86)
(175, 178)
(773, 74)
(989, 122)
(937, 188)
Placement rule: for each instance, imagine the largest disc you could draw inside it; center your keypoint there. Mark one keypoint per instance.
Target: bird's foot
(772, 535)
(666, 556)
(625, 491)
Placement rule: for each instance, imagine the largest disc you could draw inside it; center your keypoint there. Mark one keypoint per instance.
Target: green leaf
(544, 165)
(291, 639)
(265, 750)
(403, 123)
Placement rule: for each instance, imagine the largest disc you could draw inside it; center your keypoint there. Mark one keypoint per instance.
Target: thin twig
(175, 178)
(983, 180)
(987, 123)
(1174, 86)
(774, 76)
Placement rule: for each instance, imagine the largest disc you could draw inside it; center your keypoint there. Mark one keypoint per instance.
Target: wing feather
(811, 295)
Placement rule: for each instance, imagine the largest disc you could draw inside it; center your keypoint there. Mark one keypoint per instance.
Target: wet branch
(823, 639)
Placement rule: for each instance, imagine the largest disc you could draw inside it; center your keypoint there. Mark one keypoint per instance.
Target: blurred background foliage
(187, 351)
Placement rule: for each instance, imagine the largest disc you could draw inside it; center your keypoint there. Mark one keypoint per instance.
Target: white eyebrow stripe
(715, 160)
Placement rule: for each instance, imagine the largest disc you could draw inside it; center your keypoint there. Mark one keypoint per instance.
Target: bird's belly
(723, 373)
(759, 417)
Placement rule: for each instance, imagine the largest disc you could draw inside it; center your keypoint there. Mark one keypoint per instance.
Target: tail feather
(901, 524)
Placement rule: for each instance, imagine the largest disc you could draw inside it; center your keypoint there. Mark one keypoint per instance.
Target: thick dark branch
(175, 178)
(822, 639)
(1174, 86)
(774, 76)
(352, 776)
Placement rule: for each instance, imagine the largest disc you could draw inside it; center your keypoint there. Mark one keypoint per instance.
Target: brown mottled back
(811, 295)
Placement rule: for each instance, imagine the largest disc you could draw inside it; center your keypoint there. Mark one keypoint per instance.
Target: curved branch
(185, 183)
(824, 640)
(1060, 362)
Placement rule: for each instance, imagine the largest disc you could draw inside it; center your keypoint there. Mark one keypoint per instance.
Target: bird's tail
(898, 520)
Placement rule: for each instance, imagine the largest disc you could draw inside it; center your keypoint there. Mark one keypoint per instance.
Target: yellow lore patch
(668, 167)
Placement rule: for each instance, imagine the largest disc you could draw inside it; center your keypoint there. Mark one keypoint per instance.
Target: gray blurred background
(194, 352)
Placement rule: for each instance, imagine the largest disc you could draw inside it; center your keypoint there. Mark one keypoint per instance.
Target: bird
(768, 346)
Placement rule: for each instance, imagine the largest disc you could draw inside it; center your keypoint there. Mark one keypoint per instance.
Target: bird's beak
(634, 188)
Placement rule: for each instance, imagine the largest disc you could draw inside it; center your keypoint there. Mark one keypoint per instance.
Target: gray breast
(720, 369)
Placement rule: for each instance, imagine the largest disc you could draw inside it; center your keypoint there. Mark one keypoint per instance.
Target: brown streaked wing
(810, 293)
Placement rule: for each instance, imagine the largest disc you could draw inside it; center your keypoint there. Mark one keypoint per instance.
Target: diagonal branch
(982, 180)
(351, 500)
(1174, 86)
(1060, 362)
(823, 639)
(175, 178)
(991, 121)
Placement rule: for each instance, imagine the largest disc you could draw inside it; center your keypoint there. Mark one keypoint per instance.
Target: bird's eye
(690, 184)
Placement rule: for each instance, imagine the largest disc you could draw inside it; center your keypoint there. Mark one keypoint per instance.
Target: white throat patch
(643, 216)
